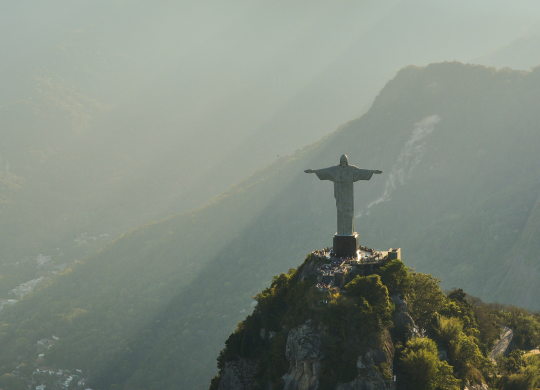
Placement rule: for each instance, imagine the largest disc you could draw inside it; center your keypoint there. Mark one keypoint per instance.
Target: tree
(395, 277)
(425, 298)
(527, 379)
(422, 368)
(370, 290)
(463, 351)
(527, 332)
(458, 306)
(8, 381)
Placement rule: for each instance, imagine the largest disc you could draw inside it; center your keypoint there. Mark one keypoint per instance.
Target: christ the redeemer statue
(343, 176)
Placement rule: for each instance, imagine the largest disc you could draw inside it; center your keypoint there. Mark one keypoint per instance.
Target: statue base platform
(346, 245)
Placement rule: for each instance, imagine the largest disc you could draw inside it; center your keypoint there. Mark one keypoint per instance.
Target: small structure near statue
(347, 258)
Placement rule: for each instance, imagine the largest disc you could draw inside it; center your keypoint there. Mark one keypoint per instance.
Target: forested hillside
(363, 335)
(457, 145)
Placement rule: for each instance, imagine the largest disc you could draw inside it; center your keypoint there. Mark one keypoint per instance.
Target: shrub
(425, 299)
(395, 276)
(422, 368)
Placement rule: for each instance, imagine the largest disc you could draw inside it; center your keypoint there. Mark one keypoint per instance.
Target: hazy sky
(114, 113)
(189, 97)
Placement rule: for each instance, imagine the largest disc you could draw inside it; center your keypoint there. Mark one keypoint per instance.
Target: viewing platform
(338, 271)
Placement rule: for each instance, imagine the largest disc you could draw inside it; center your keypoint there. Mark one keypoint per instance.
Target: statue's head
(343, 161)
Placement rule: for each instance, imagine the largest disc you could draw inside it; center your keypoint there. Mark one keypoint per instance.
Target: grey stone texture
(310, 268)
(481, 386)
(375, 370)
(501, 347)
(401, 319)
(304, 353)
(303, 343)
(343, 176)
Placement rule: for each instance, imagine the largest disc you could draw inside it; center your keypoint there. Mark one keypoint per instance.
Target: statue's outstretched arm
(323, 174)
(377, 172)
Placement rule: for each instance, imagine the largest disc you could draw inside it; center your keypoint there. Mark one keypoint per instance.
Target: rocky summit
(375, 328)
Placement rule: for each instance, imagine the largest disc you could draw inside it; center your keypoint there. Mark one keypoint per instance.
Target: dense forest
(459, 193)
(447, 349)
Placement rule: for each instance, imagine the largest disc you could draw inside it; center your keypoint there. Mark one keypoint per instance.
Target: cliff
(309, 337)
(386, 328)
(305, 357)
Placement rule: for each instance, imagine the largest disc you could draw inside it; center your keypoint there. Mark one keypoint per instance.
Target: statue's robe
(343, 178)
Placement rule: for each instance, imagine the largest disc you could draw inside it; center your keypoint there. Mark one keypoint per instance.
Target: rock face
(304, 353)
(238, 375)
(501, 347)
(310, 268)
(375, 371)
(367, 361)
(481, 386)
(401, 319)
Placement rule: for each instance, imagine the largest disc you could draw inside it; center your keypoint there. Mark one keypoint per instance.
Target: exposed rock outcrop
(401, 319)
(375, 369)
(501, 346)
(304, 353)
(481, 386)
(309, 268)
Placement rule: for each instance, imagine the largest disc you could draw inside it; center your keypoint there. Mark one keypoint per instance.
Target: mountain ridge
(184, 282)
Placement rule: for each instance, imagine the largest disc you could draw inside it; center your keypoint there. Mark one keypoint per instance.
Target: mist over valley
(152, 163)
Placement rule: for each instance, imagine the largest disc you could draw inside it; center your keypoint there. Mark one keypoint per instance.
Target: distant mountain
(457, 145)
(521, 53)
(115, 114)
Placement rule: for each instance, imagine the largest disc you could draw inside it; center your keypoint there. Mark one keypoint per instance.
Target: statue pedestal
(346, 245)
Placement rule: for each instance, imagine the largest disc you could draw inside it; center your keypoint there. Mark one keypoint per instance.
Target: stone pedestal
(346, 245)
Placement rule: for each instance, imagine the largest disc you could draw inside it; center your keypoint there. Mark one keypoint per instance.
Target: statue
(343, 176)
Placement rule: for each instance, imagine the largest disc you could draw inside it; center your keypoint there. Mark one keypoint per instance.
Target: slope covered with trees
(446, 348)
(457, 145)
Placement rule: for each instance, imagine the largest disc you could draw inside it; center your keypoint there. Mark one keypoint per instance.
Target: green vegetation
(519, 372)
(465, 328)
(289, 302)
(463, 351)
(395, 276)
(446, 352)
(423, 370)
(11, 382)
(160, 301)
(425, 299)
(365, 310)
